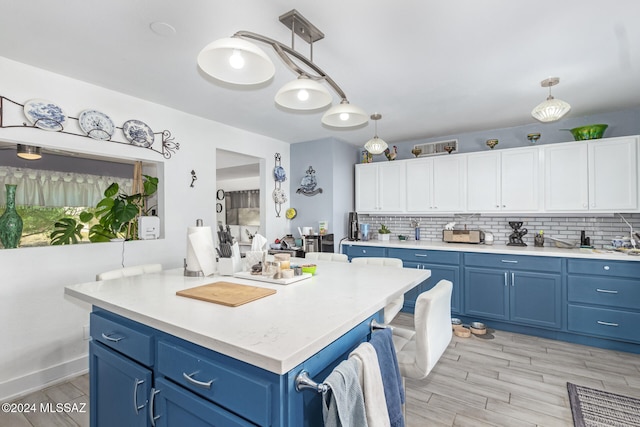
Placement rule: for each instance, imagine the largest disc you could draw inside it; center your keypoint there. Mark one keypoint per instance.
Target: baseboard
(17, 387)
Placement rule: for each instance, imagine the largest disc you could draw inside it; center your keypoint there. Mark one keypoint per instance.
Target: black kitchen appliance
(354, 228)
(318, 243)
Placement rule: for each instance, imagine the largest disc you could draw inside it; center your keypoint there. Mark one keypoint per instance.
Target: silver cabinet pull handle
(135, 395)
(606, 291)
(202, 384)
(599, 322)
(152, 399)
(606, 267)
(421, 255)
(110, 338)
(506, 281)
(513, 279)
(509, 261)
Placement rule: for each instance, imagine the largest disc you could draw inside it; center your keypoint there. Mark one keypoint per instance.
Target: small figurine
(391, 155)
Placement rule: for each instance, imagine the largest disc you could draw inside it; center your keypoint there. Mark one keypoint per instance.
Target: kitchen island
(161, 359)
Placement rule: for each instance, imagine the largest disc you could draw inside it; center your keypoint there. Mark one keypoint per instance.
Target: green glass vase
(10, 221)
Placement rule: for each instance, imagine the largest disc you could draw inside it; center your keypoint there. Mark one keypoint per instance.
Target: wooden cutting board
(226, 293)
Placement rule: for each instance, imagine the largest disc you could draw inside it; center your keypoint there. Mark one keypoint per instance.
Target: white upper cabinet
(503, 181)
(436, 185)
(613, 175)
(596, 175)
(380, 187)
(566, 177)
(599, 175)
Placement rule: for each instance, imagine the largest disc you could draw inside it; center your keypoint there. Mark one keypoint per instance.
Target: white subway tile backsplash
(600, 229)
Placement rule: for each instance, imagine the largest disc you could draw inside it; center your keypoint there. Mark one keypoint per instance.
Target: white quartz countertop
(499, 249)
(275, 333)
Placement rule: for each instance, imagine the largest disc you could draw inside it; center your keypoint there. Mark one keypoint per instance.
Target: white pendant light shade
(344, 115)
(303, 94)
(551, 110)
(237, 61)
(376, 145)
(29, 152)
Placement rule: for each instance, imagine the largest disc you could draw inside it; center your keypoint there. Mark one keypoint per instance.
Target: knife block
(229, 266)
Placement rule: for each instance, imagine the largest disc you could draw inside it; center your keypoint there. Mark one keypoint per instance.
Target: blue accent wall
(333, 163)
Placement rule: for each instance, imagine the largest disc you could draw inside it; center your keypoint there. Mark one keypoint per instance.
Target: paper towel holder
(193, 273)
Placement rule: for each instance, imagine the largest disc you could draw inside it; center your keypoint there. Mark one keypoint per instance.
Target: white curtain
(57, 189)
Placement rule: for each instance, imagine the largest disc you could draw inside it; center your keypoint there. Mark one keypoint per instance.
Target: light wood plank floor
(513, 380)
(509, 381)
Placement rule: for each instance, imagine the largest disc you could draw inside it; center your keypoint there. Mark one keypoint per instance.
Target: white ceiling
(431, 67)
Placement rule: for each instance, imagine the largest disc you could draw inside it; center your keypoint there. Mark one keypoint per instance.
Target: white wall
(42, 329)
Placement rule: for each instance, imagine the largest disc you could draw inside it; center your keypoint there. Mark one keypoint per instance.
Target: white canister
(488, 238)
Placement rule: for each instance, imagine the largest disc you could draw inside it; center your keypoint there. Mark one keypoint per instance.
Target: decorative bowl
(492, 143)
(584, 133)
(564, 244)
(309, 268)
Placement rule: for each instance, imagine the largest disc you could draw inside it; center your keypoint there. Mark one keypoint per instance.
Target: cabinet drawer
(420, 255)
(603, 322)
(629, 269)
(136, 344)
(614, 291)
(231, 389)
(514, 262)
(368, 251)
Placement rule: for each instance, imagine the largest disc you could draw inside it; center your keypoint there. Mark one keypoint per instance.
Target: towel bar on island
(303, 380)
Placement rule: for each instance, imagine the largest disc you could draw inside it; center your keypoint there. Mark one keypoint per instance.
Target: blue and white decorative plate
(279, 196)
(138, 133)
(97, 125)
(45, 114)
(279, 174)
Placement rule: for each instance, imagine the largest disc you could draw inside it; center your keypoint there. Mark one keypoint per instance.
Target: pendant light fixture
(303, 94)
(238, 61)
(552, 109)
(376, 145)
(29, 152)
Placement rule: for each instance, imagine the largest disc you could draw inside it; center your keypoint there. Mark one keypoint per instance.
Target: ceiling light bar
(225, 60)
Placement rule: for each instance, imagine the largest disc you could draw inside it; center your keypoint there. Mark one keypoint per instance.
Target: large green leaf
(66, 231)
(150, 185)
(98, 233)
(111, 190)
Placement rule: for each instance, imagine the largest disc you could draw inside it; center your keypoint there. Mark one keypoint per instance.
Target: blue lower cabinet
(354, 251)
(486, 293)
(443, 265)
(525, 297)
(173, 406)
(438, 272)
(119, 389)
(185, 384)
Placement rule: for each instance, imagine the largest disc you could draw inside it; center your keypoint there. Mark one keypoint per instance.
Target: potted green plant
(116, 214)
(383, 232)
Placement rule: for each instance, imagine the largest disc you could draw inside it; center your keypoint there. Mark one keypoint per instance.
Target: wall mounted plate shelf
(46, 115)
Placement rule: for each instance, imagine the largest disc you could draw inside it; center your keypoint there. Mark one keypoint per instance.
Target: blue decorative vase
(10, 221)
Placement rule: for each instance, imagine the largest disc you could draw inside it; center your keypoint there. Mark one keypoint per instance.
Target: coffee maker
(354, 227)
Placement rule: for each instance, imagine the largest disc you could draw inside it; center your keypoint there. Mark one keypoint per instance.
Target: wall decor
(309, 183)
(279, 176)
(220, 194)
(46, 115)
(193, 178)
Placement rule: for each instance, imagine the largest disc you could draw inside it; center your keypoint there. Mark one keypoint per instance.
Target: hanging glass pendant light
(552, 109)
(344, 115)
(303, 94)
(237, 61)
(376, 145)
